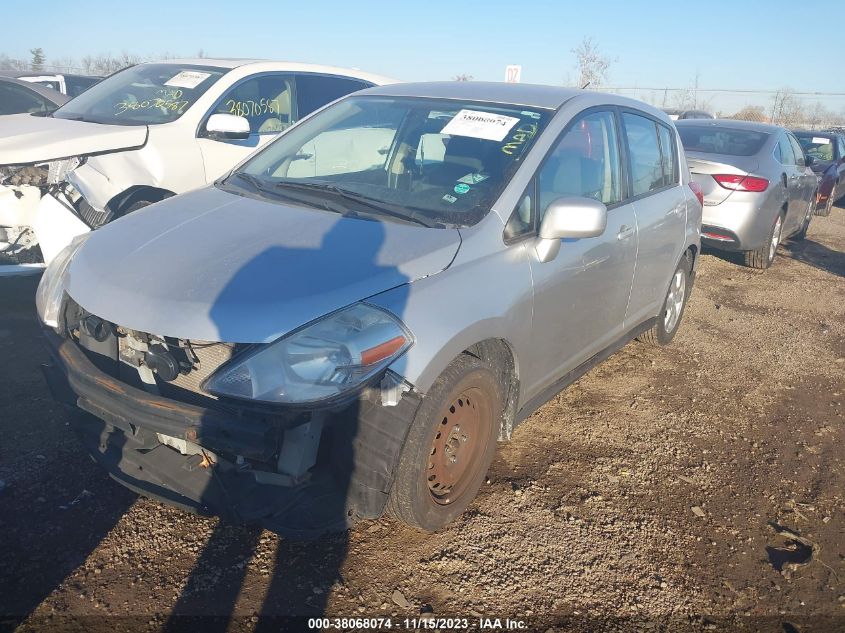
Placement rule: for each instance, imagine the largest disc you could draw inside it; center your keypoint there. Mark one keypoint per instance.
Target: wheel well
(497, 353)
(693, 251)
(122, 201)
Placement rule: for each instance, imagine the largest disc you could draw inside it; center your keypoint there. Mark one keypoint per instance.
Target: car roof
(267, 65)
(46, 73)
(735, 124)
(534, 95)
(819, 133)
(524, 95)
(54, 96)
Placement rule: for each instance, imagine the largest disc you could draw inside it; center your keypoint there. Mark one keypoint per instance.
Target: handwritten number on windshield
(167, 99)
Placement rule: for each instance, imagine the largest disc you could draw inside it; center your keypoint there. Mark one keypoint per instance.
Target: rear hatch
(703, 166)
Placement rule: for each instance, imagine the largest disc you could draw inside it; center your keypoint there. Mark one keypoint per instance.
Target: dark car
(828, 150)
(679, 115)
(69, 84)
(17, 97)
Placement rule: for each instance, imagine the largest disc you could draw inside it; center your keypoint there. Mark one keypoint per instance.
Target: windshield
(720, 140)
(142, 95)
(819, 147)
(435, 161)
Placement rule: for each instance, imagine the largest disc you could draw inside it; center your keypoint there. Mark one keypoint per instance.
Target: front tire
(449, 446)
(763, 257)
(674, 304)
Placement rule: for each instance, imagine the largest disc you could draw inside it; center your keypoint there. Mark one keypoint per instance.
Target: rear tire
(674, 304)
(449, 446)
(763, 257)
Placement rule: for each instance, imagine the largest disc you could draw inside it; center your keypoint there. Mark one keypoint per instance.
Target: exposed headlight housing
(325, 359)
(51, 288)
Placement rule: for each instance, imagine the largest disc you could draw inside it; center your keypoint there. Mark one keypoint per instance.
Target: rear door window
(646, 161)
(784, 152)
(797, 151)
(315, 91)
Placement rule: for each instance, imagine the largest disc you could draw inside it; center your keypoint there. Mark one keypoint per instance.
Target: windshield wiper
(252, 180)
(376, 207)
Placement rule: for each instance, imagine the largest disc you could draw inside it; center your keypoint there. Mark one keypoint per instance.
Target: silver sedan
(757, 183)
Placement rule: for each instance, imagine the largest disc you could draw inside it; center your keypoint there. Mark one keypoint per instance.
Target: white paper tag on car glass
(477, 124)
(818, 140)
(187, 79)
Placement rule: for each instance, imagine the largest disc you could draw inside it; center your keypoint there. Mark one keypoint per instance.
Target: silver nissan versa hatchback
(347, 323)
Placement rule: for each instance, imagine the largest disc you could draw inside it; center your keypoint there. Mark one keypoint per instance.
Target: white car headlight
(51, 288)
(327, 358)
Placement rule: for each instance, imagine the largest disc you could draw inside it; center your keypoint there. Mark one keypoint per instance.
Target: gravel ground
(695, 487)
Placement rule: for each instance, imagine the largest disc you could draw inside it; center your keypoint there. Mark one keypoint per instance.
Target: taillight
(696, 189)
(735, 182)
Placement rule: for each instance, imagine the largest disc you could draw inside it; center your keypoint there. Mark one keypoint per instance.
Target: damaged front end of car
(151, 417)
(41, 209)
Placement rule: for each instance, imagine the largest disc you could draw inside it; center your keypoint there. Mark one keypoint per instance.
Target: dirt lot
(669, 489)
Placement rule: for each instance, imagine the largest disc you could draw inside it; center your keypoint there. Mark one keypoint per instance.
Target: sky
(659, 44)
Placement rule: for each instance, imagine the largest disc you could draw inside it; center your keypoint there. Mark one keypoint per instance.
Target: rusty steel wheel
(449, 446)
(459, 443)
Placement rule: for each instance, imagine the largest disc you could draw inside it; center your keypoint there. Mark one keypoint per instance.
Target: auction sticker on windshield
(187, 79)
(477, 124)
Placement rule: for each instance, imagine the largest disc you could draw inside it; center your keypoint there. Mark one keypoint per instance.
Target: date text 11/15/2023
(426, 623)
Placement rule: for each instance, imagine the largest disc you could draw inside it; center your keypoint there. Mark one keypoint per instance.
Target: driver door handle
(624, 233)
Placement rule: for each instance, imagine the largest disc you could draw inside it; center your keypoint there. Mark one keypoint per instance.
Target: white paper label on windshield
(477, 124)
(818, 140)
(187, 79)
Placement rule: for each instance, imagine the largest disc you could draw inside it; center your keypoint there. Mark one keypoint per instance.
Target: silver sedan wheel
(773, 247)
(675, 301)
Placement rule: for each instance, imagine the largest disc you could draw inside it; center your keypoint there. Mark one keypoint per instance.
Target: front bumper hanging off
(234, 475)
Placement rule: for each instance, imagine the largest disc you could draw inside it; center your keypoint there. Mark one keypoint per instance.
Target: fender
(121, 203)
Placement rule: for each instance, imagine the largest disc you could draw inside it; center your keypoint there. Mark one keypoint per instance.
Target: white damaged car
(142, 135)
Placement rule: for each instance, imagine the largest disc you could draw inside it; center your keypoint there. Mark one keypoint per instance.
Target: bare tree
(786, 109)
(11, 63)
(817, 116)
(593, 65)
(462, 78)
(106, 64)
(64, 65)
(38, 59)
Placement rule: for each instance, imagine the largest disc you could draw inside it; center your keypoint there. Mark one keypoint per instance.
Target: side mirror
(572, 218)
(809, 160)
(227, 127)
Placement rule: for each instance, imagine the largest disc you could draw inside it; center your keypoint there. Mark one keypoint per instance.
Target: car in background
(311, 342)
(757, 183)
(71, 85)
(18, 97)
(143, 134)
(679, 115)
(828, 152)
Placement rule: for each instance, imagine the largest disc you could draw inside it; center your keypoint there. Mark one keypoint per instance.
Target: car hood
(211, 265)
(26, 139)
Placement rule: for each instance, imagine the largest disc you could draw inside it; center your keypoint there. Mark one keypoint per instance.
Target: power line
(731, 91)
